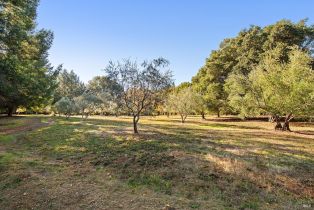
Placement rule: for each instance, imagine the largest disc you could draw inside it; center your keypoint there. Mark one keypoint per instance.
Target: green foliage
(103, 84)
(109, 92)
(184, 102)
(26, 78)
(69, 85)
(86, 103)
(65, 106)
(225, 81)
(282, 88)
(142, 85)
(182, 86)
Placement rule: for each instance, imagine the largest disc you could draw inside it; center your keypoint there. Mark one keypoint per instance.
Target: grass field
(54, 163)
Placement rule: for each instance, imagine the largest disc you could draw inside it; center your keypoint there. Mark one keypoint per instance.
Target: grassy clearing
(99, 163)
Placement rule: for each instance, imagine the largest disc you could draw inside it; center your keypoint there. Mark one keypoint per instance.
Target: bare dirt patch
(28, 125)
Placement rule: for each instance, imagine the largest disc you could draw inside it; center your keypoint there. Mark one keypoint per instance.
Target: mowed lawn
(54, 163)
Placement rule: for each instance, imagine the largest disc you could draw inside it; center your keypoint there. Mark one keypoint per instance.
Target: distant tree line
(262, 71)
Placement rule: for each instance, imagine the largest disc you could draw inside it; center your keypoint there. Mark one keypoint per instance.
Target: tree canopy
(184, 102)
(142, 84)
(69, 85)
(226, 79)
(26, 77)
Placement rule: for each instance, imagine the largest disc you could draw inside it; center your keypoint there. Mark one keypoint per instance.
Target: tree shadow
(190, 162)
(305, 132)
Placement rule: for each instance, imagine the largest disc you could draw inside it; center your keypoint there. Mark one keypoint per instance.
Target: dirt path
(29, 125)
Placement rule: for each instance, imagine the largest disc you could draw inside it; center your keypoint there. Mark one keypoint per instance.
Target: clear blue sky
(88, 33)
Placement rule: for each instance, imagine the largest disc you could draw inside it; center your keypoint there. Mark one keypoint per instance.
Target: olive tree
(65, 106)
(281, 88)
(201, 105)
(184, 102)
(141, 84)
(86, 103)
(109, 93)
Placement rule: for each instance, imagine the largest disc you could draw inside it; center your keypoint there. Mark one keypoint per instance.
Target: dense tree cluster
(261, 71)
(128, 88)
(26, 77)
(100, 96)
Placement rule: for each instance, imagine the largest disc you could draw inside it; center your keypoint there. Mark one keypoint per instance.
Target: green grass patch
(198, 162)
(10, 182)
(154, 182)
(7, 138)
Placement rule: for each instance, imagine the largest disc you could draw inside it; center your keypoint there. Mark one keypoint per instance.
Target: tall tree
(284, 34)
(282, 88)
(141, 84)
(224, 79)
(210, 79)
(26, 78)
(69, 85)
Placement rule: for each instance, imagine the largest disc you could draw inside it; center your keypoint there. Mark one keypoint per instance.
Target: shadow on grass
(189, 162)
(305, 132)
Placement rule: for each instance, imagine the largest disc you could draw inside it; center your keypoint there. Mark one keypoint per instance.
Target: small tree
(86, 103)
(65, 106)
(201, 106)
(105, 103)
(141, 84)
(183, 102)
(109, 92)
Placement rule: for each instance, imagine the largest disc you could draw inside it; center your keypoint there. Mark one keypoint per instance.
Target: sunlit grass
(198, 164)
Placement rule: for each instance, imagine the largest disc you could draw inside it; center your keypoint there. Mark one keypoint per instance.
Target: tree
(201, 105)
(183, 102)
(224, 79)
(108, 91)
(282, 88)
(26, 77)
(65, 106)
(141, 84)
(86, 103)
(182, 86)
(250, 51)
(209, 81)
(103, 84)
(69, 85)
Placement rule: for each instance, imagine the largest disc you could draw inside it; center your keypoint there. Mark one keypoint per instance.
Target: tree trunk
(218, 113)
(11, 110)
(135, 121)
(203, 116)
(278, 125)
(286, 126)
(183, 117)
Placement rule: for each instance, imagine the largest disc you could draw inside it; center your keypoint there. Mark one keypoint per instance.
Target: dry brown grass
(203, 164)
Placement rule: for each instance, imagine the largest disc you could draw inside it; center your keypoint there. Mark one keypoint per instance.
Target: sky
(90, 33)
